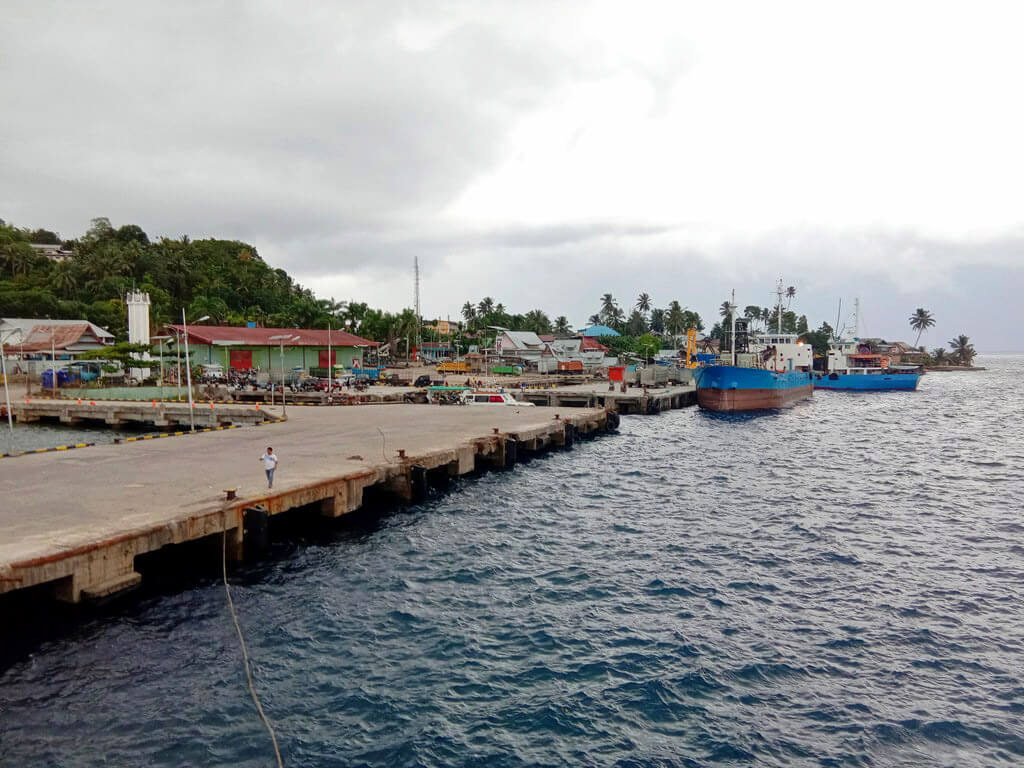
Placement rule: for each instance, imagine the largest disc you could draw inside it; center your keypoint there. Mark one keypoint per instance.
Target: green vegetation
(921, 321)
(962, 350)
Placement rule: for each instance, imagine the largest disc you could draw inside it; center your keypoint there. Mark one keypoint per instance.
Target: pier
(127, 412)
(635, 400)
(74, 522)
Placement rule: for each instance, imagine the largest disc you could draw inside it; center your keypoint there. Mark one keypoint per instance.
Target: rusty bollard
(230, 493)
(401, 453)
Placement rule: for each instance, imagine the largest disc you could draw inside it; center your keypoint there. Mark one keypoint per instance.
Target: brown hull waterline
(751, 399)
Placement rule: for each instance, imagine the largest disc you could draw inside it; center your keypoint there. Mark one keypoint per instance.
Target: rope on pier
(245, 650)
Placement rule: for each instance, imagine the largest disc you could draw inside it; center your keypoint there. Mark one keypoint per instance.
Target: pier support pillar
(510, 453)
(418, 483)
(255, 532)
(569, 438)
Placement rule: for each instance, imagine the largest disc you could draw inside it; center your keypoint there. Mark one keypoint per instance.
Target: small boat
(492, 397)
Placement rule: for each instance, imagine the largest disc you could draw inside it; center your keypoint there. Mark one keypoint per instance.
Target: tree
(637, 325)
(725, 310)
(594, 320)
(658, 321)
(675, 320)
(647, 346)
(537, 321)
(790, 293)
(562, 326)
(468, 312)
(766, 316)
(486, 306)
(643, 303)
(801, 324)
(752, 313)
(609, 309)
(921, 321)
(963, 350)
(939, 356)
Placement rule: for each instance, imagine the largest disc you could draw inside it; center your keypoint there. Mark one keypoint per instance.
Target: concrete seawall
(75, 521)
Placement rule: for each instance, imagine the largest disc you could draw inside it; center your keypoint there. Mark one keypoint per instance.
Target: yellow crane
(691, 348)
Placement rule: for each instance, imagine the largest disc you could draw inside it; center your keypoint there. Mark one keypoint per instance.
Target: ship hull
(870, 382)
(728, 388)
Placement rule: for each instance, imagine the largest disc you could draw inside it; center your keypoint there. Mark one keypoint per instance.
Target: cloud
(542, 153)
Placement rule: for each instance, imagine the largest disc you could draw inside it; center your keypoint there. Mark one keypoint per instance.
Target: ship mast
(778, 291)
(856, 318)
(732, 315)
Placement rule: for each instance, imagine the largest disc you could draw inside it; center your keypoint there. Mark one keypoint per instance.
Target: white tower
(138, 317)
(138, 327)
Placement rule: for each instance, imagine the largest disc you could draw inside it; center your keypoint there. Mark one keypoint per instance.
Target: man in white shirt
(269, 460)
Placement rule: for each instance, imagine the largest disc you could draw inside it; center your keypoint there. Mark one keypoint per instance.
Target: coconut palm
(725, 310)
(486, 306)
(921, 321)
(675, 319)
(609, 308)
(658, 321)
(562, 325)
(766, 316)
(939, 356)
(594, 319)
(790, 293)
(963, 350)
(637, 325)
(643, 303)
(468, 311)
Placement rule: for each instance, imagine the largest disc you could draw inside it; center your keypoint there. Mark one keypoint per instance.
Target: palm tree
(486, 305)
(658, 321)
(790, 293)
(64, 279)
(939, 356)
(675, 320)
(766, 316)
(609, 308)
(537, 321)
(637, 325)
(920, 321)
(562, 325)
(963, 350)
(643, 303)
(725, 310)
(468, 311)
(594, 319)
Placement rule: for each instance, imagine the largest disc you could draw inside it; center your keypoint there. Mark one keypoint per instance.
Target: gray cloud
(334, 137)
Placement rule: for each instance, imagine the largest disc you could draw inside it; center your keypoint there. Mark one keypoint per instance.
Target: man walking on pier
(269, 460)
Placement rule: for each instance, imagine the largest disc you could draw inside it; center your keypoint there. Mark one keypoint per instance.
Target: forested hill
(224, 279)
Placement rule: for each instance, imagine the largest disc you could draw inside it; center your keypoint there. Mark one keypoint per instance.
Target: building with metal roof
(599, 330)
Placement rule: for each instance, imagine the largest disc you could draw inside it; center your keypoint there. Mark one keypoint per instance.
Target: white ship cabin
(850, 356)
(782, 352)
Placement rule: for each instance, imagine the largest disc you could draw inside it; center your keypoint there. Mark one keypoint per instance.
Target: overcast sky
(546, 153)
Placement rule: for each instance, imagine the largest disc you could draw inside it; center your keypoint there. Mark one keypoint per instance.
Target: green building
(260, 348)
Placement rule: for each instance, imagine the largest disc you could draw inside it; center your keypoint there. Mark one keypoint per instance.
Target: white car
(470, 397)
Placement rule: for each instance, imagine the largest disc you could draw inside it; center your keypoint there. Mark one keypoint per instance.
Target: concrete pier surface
(644, 400)
(76, 520)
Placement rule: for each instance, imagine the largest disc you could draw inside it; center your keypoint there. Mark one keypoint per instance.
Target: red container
(615, 372)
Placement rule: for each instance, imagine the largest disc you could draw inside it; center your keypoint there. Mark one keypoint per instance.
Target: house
(260, 348)
(525, 345)
(599, 330)
(55, 252)
(36, 338)
(442, 327)
(584, 349)
(435, 351)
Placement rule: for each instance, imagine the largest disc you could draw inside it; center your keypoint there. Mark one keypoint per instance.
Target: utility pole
(7, 393)
(416, 298)
(282, 338)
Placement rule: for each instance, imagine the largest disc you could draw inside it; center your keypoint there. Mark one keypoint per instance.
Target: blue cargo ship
(774, 372)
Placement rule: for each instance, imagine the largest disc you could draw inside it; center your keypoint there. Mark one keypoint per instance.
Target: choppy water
(837, 584)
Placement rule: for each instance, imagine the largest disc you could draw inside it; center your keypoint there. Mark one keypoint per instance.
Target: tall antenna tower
(416, 295)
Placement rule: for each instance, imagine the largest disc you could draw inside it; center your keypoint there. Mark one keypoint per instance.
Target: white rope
(245, 651)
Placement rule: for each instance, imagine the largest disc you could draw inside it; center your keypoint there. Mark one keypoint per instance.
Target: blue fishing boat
(853, 367)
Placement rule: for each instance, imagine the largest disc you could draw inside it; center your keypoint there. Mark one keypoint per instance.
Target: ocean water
(838, 584)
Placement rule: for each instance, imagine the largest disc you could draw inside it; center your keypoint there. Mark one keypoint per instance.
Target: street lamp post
(161, 340)
(7, 392)
(188, 370)
(281, 339)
